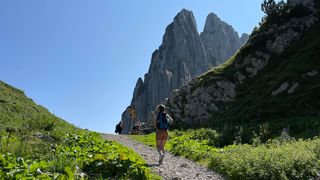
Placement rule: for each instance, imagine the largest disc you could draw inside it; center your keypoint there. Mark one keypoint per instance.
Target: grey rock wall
(183, 55)
(220, 40)
(197, 101)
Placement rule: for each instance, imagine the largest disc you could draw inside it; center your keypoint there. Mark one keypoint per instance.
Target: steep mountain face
(273, 79)
(220, 40)
(182, 55)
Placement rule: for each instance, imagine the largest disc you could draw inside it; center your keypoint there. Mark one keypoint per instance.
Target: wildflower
(39, 171)
(99, 163)
(19, 159)
(82, 175)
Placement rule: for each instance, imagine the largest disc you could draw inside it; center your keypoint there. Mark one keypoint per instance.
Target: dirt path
(173, 167)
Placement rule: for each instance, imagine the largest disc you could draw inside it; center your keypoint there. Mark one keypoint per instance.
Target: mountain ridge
(181, 56)
(214, 99)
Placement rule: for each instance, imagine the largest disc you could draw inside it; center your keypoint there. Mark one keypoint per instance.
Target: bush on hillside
(280, 158)
(273, 9)
(79, 155)
(212, 137)
(293, 160)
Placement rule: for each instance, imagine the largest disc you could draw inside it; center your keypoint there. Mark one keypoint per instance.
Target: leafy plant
(279, 158)
(81, 155)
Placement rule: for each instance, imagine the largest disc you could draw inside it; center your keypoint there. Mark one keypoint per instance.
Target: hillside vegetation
(256, 109)
(17, 112)
(271, 84)
(36, 144)
(262, 104)
(279, 158)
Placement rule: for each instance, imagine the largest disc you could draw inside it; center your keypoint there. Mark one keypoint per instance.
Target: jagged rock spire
(182, 55)
(220, 39)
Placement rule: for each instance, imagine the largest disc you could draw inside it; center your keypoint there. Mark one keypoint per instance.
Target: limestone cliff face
(211, 94)
(220, 40)
(183, 54)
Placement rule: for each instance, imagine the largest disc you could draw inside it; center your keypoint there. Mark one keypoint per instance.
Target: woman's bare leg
(159, 141)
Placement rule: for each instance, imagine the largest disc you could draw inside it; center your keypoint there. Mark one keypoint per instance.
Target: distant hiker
(162, 122)
(136, 128)
(119, 127)
(117, 131)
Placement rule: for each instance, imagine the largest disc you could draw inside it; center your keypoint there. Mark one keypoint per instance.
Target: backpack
(118, 129)
(162, 121)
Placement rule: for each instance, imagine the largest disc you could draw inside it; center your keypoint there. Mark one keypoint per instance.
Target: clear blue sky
(81, 58)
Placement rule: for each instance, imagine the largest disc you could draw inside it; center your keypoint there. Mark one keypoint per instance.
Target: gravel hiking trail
(173, 167)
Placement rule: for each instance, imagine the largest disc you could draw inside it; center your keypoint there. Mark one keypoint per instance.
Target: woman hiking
(162, 122)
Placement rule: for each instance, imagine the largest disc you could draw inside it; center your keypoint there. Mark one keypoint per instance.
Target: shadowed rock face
(294, 2)
(220, 40)
(211, 93)
(182, 55)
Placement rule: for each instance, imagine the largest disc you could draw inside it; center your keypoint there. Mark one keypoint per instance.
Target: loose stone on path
(173, 167)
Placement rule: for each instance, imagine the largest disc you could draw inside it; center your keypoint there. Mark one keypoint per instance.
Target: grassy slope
(281, 158)
(56, 147)
(19, 112)
(300, 111)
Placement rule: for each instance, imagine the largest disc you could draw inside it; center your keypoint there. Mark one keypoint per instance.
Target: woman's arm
(154, 120)
(169, 119)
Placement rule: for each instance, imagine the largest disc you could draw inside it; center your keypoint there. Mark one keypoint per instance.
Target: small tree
(269, 7)
(282, 7)
(273, 9)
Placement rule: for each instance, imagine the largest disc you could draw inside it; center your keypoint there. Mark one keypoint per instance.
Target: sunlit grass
(280, 158)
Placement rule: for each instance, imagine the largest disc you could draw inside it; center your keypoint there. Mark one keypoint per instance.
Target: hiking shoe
(161, 159)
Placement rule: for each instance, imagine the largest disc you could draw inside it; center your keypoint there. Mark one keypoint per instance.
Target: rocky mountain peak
(285, 45)
(182, 55)
(137, 90)
(244, 38)
(220, 40)
(185, 17)
(182, 29)
(212, 22)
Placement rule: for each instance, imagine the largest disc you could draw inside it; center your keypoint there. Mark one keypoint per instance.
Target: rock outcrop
(220, 40)
(183, 54)
(196, 102)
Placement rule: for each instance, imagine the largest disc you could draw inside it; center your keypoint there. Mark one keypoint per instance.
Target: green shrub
(80, 155)
(274, 9)
(197, 150)
(293, 160)
(279, 158)
(210, 135)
